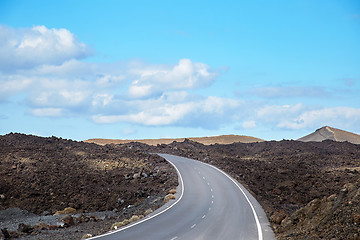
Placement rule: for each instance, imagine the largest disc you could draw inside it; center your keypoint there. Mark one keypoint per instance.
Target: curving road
(209, 205)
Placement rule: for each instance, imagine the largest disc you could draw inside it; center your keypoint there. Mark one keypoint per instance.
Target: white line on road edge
(146, 219)
(252, 207)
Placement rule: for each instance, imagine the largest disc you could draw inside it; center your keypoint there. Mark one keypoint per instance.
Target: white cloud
(47, 112)
(10, 85)
(271, 113)
(337, 116)
(43, 67)
(30, 47)
(158, 79)
(210, 112)
(249, 124)
(129, 131)
(291, 92)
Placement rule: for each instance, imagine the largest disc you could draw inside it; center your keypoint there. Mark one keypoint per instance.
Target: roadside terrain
(309, 190)
(45, 175)
(223, 139)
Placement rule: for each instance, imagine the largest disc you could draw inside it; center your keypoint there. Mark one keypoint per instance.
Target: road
(209, 205)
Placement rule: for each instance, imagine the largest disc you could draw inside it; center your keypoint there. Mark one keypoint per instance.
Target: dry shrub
(147, 212)
(134, 218)
(168, 197)
(68, 210)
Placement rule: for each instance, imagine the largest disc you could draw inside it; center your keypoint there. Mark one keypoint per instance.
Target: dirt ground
(45, 175)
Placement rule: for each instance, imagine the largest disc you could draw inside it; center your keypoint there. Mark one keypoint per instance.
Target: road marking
(174, 238)
(208, 184)
(203, 216)
(157, 214)
(209, 208)
(212, 196)
(260, 235)
(193, 226)
(211, 189)
(204, 178)
(212, 202)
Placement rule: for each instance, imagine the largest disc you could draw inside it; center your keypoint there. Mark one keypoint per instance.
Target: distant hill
(223, 139)
(329, 133)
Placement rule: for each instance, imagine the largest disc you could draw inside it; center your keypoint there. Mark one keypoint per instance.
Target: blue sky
(153, 69)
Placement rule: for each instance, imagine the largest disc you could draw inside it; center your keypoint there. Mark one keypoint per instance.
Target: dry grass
(68, 210)
(147, 212)
(125, 222)
(169, 197)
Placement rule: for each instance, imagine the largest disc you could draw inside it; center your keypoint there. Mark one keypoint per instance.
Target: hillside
(223, 139)
(329, 133)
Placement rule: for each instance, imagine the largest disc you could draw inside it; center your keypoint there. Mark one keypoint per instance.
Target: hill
(223, 139)
(329, 133)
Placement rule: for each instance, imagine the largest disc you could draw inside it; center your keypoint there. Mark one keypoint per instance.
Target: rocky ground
(46, 175)
(308, 190)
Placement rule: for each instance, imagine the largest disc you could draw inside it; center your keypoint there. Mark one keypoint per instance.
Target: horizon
(151, 70)
(189, 137)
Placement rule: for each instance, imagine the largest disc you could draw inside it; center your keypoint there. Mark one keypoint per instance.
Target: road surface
(209, 205)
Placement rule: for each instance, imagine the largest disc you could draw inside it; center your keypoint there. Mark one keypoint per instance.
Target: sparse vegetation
(169, 197)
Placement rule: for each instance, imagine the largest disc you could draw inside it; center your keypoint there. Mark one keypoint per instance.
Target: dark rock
(25, 228)
(68, 221)
(4, 234)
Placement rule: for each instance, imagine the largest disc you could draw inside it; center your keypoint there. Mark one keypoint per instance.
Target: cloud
(154, 80)
(210, 112)
(299, 116)
(11, 85)
(291, 92)
(47, 112)
(42, 67)
(129, 131)
(344, 117)
(29, 47)
(249, 124)
(274, 113)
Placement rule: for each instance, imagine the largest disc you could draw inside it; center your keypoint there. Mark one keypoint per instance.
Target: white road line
(212, 196)
(203, 216)
(212, 202)
(193, 226)
(208, 184)
(157, 214)
(204, 178)
(209, 208)
(174, 238)
(211, 189)
(260, 235)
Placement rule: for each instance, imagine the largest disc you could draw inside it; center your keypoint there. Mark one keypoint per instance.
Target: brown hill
(223, 139)
(329, 133)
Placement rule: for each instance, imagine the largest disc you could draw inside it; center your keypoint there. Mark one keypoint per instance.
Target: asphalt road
(209, 205)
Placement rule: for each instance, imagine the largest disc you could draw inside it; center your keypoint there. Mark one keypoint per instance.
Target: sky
(135, 69)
